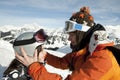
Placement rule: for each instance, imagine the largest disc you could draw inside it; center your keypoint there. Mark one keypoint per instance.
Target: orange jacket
(101, 65)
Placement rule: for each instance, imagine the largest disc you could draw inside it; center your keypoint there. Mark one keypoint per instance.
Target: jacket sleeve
(38, 72)
(59, 62)
(94, 68)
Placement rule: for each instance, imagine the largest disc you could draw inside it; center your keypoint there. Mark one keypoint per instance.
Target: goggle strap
(24, 42)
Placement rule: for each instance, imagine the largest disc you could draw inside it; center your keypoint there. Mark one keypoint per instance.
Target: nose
(69, 38)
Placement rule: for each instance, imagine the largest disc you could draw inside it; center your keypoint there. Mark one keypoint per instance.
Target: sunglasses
(71, 26)
(39, 36)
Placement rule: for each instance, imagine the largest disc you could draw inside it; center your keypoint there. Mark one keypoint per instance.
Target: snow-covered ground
(7, 55)
(7, 52)
(51, 69)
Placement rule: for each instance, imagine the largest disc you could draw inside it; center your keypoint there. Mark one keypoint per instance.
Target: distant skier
(29, 41)
(93, 56)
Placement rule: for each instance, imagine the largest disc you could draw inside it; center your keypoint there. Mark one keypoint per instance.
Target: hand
(42, 56)
(25, 59)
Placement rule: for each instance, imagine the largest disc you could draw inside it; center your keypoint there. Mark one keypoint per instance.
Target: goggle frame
(71, 26)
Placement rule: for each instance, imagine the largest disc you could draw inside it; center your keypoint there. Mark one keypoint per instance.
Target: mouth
(73, 43)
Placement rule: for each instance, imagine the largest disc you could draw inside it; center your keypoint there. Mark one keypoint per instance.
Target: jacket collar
(99, 40)
(102, 46)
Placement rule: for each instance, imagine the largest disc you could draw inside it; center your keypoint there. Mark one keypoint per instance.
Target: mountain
(57, 41)
(114, 33)
(56, 36)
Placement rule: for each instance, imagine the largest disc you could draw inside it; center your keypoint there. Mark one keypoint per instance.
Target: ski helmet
(30, 41)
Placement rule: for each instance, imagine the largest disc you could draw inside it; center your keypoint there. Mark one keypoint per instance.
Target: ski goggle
(39, 36)
(71, 26)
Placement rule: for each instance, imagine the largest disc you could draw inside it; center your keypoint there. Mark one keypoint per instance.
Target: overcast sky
(53, 13)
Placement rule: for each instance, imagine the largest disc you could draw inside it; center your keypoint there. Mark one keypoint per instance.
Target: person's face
(72, 38)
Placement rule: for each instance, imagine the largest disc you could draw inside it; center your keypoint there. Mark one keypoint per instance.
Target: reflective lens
(40, 35)
(71, 26)
(68, 26)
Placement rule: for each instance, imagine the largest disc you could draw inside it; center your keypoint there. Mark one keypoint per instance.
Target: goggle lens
(40, 36)
(68, 26)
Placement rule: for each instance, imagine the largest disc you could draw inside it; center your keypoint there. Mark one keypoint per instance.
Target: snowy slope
(51, 69)
(6, 55)
(65, 49)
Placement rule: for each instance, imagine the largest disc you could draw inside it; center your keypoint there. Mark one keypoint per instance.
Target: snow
(51, 69)
(7, 55)
(65, 49)
(7, 52)
(113, 29)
